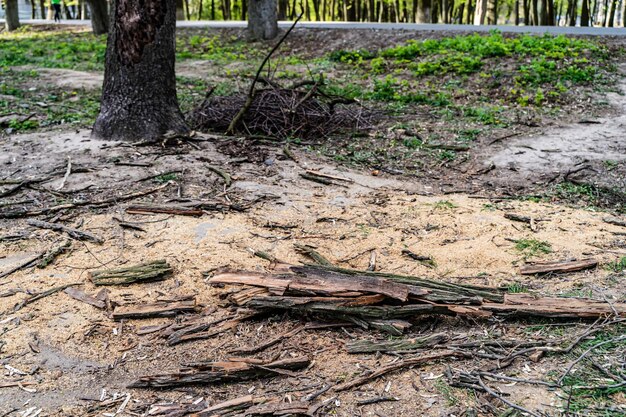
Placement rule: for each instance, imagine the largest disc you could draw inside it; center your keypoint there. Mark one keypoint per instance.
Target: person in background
(56, 5)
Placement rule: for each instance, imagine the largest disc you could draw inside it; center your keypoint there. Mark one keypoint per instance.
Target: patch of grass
(447, 392)
(605, 348)
(591, 196)
(162, 179)
(532, 247)
(517, 288)
(444, 205)
(617, 266)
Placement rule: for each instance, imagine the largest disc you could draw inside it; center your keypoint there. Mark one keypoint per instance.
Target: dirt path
(588, 147)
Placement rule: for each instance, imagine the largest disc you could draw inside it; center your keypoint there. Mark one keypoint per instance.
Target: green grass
(617, 266)
(532, 247)
(444, 205)
(517, 288)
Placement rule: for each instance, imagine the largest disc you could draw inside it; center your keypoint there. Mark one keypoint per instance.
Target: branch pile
(282, 112)
(385, 301)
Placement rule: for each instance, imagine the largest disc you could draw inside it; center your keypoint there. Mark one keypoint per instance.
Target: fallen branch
(406, 345)
(558, 267)
(220, 372)
(150, 271)
(406, 363)
(41, 295)
(53, 253)
(160, 309)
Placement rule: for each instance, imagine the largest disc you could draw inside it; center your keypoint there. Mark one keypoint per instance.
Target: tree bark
(12, 20)
(584, 14)
(139, 92)
(262, 19)
(481, 12)
(180, 10)
(99, 16)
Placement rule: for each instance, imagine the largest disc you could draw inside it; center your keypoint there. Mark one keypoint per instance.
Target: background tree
(99, 16)
(262, 19)
(12, 19)
(139, 92)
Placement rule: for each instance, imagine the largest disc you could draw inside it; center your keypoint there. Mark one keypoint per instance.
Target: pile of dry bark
(387, 301)
(299, 111)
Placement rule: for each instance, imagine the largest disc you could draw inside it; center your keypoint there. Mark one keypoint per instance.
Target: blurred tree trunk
(611, 22)
(262, 19)
(423, 11)
(516, 13)
(584, 13)
(12, 17)
(492, 12)
(180, 10)
(481, 12)
(99, 16)
(139, 92)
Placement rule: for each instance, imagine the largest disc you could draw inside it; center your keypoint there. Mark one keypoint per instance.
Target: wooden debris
(84, 297)
(558, 267)
(150, 271)
(386, 301)
(52, 254)
(406, 345)
(220, 372)
(529, 305)
(161, 309)
(71, 232)
(198, 331)
(26, 263)
(228, 180)
(164, 208)
(424, 260)
(406, 363)
(231, 406)
(615, 221)
(308, 279)
(87, 203)
(310, 251)
(43, 294)
(270, 342)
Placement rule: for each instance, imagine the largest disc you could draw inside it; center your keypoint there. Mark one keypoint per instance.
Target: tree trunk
(180, 10)
(139, 92)
(584, 14)
(516, 13)
(492, 14)
(535, 12)
(33, 10)
(423, 11)
(42, 9)
(262, 19)
(481, 12)
(99, 16)
(12, 19)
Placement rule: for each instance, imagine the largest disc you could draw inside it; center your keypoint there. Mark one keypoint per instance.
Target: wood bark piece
(164, 208)
(528, 305)
(43, 294)
(231, 406)
(314, 281)
(406, 345)
(150, 271)
(615, 220)
(406, 363)
(24, 264)
(220, 372)
(71, 232)
(87, 203)
(269, 343)
(53, 253)
(426, 289)
(84, 297)
(560, 267)
(279, 408)
(160, 309)
(202, 331)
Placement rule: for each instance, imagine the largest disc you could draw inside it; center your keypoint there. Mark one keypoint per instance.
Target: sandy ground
(71, 351)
